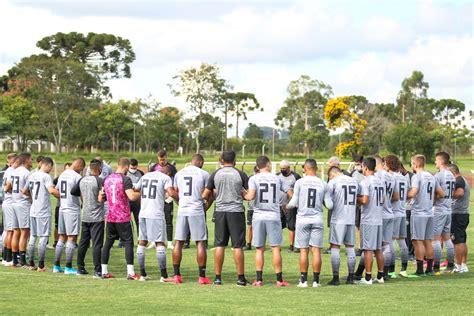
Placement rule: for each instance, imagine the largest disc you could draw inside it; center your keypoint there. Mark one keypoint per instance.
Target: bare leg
(219, 260)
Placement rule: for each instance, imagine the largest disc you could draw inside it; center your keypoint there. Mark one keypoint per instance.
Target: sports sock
(15, 257)
(449, 252)
(419, 266)
(429, 265)
(240, 277)
(161, 257)
(31, 250)
(58, 252)
(386, 256)
(8, 256)
(304, 277)
(392, 257)
(202, 271)
(279, 276)
(130, 269)
(380, 274)
(70, 246)
(351, 260)
(316, 277)
(218, 277)
(42, 244)
(141, 259)
(403, 253)
(438, 252)
(105, 269)
(335, 260)
(176, 269)
(368, 276)
(23, 258)
(259, 275)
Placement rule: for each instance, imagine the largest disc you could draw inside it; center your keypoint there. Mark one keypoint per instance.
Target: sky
(358, 47)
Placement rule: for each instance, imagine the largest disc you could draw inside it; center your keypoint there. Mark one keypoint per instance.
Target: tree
(59, 88)
(240, 104)
(408, 139)
(253, 131)
(447, 111)
(202, 88)
(212, 132)
(413, 88)
(107, 54)
(303, 112)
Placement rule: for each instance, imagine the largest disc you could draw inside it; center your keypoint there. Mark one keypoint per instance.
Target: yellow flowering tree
(337, 114)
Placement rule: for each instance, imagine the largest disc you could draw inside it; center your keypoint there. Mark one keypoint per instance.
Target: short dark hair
(370, 163)
(228, 156)
(123, 162)
(39, 159)
(357, 158)
(334, 169)
(133, 162)
(198, 158)
(161, 153)
(392, 162)
(46, 161)
(255, 169)
(23, 157)
(455, 168)
(311, 163)
(262, 162)
(81, 161)
(95, 164)
(444, 155)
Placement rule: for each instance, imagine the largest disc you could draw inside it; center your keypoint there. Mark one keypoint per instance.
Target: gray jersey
(268, 197)
(372, 212)
(153, 188)
(228, 183)
(310, 191)
(106, 171)
(390, 189)
(461, 206)
(343, 191)
(191, 182)
(89, 187)
(402, 185)
(135, 176)
(38, 184)
(7, 177)
(446, 181)
(424, 199)
(70, 204)
(288, 182)
(359, 176)
(20, 182)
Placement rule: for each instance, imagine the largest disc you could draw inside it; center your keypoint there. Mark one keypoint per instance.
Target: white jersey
(69, 203)
(446, 181)
(191, 182)
(402, 184)
(390, 188)
(267, 195)
(7, 177)
(310, 191)
(19, 182)
(343, 190)
(152, 187)
(38, 184)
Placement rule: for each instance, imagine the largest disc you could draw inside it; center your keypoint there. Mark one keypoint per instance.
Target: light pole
(263, 150)
(273, 145)
(243, 151)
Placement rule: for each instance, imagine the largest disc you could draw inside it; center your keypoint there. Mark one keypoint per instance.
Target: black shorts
(229, 225)
(458, 228)
(291, 219)
(249, 217)
(122, 231)
(56, 217)
(357, 219)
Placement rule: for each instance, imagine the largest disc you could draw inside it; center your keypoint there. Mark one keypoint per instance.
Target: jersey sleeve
(252, 184)
(363, 189)
(76, 189)
(245, 179)
(415, 181)
(210, 184)
(206, 178)
(127, 183)
(168, 183)
(48, 182)
(460, 183)
(138, 185)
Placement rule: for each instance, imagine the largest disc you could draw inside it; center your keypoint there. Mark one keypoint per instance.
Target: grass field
(25, 292)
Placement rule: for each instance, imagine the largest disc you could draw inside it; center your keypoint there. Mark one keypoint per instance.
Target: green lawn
(26, 292)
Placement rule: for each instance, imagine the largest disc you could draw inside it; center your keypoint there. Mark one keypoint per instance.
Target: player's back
(115, 186)
(461, 205)
(153, 187)
(92, 210)
(399, 206)
(372, 212)
(38, 183)
(20, 180)
(267, 195)
(389, 182)
(311, 191)
(447, 182)
(191, 182)
(228, 183)
(7, 177)
(343, 190)
(66, 181)
(424, 199)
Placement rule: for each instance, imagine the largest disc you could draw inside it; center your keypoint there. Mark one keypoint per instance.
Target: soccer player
(56, 209)
(135, 174)
(69, 216)
(392, 163)
(391, 195)
(229, 214)
(460, 219)
(40, 186)
(153, 186)
(357, 174)
(308, 195)
(7, 210)
(163, 162)
(343, 192)
(190, 183)
(371, 195)
(251, 205)
(288, 179)
(92, 225)
(265, 188)
(442, 213)
(21, 208)
(423, 190)
(119, 191)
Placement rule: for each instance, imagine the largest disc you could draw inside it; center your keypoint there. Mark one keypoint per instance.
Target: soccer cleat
(176, 279)
(357, 277)
(291, 248)
(403, 274)
(392, 275)
(316, 284)
(43, 269)
(170, 245)
(97, 275)
(8, 263)
(335, 282)
(32, 268)
(302, 284)
(187, 245)
(204, 281)
(247, 247)
(380, 281)
(429, 273)
(243, 282)
(82, 272)
(284, 284)
(58, 269)
(415, 275)
(437, 273)
(144, 278)
(151, 246)
(465, 268)
(70, 271)
(363, 281)
(444, 263)
(134, 277)
(297, 250)
(217, 282)
(107, 276)
(257, 283)
(50, 247)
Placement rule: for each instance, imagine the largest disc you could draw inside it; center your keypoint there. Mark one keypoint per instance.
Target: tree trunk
(199, 131)
(225, 128)
(237, 122)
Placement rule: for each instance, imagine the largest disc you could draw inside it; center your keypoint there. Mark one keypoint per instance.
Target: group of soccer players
(99, 206)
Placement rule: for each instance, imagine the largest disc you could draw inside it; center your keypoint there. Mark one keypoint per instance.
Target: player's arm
(173, 193)
(249, 195)
(53, 191)
(439, 193)
(208, 202)
(26, 191)
(132, 194)
(101, 198)
(8, 187)
(412, 192)
(459, 188)
(396, 196)
(363, 199)
(328, 199)
(209, 190)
